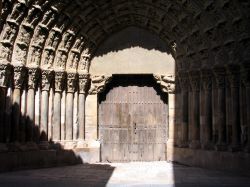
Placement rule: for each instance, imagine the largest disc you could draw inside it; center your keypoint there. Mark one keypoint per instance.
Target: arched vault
(64, 35)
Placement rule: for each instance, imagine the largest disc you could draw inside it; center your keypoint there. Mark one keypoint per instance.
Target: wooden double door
(133, 121)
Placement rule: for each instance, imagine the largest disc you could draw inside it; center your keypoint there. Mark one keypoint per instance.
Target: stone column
(46, 82)
(59, 83)
(246, 81)
(71, 79)
(206, 118)
(4, 81)
(234, 78)
(19, 76)
(184, 114)
(221, 108)
(219, 73)
(83, 81)
(194, 126)
(32, 83)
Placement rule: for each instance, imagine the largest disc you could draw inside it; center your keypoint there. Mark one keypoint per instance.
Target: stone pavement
(124, 174)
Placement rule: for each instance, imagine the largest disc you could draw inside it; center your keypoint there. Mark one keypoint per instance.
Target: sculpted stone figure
(167, 82)
(18, 12)
(98, 83)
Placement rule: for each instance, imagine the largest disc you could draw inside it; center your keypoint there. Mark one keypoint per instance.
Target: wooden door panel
(132, 123)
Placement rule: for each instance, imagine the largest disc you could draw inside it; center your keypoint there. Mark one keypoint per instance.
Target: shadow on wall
(24, 146)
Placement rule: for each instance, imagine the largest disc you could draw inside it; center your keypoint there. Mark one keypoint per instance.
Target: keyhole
(135, 128)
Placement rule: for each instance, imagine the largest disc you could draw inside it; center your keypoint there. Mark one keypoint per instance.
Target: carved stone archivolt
(166, 82)
(98, 83)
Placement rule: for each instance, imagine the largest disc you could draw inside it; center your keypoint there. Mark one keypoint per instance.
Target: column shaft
(2, 109)
(184, 122)
(30, 114)
(69, 116)
(57, 117)
(44, 116)
(81, 116)
(248, 117)
(16, 114)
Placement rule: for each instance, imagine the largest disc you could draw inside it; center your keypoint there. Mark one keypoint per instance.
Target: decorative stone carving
(83, 83)
(206, 79)
(220, 77)
(166, 82)
(98, 83)
(4, 75)
(18, 11)
(234, 75)
(60, 78)
(19, 76)
(184, 81)
(71, 82)
(245, 75)
(33, 77)
(85, 60)
(47, 76)
(194, 77)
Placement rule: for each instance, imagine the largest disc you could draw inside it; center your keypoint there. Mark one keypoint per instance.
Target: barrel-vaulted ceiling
(64, 34)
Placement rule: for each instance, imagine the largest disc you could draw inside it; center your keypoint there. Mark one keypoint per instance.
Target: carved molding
(98, 83)
(47, 76)
(83, 83)
(19, 76)
(166, 82)
(60, 77)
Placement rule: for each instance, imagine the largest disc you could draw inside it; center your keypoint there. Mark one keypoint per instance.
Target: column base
(195, 144)
(247, 149)
(183, 145)
(44, 145)
(207, 146)
(32, 146)
(234, 148)
(81, 144)
(3, 148)
(221, 147)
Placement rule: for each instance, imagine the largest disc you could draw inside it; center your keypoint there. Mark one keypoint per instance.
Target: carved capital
(184, 81)
(245, 75)
(71, 82)
(83, 82)
(166, 82)
(207, 79)
(5, 73)
(194, 77)
(234, 75)
(47, 76)
(98, 83)
(19, 76)
(33, 74)
(60, 78)
(220, 74)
